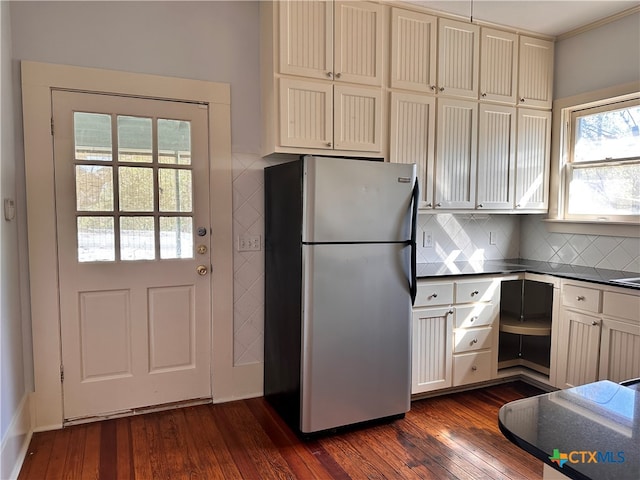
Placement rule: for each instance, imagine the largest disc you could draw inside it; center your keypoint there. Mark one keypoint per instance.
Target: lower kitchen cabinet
(431, 349)
(599, 336)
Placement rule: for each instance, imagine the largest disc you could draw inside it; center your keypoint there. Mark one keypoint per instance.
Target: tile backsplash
(453, 238)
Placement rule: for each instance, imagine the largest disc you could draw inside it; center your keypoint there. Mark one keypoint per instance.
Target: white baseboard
(16, 441)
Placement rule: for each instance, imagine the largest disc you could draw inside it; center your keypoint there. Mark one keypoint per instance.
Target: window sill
(592, 227)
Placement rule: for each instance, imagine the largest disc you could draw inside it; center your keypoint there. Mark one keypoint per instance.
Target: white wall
(598, 58)
(15, 382)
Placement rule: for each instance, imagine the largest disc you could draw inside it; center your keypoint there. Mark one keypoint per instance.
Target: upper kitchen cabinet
(456, 152)
(321, 78)
(458, 58)
(499, 66)
(413, 50)
(412, 137)
(532, 160)
(332, 40)
(535, 72)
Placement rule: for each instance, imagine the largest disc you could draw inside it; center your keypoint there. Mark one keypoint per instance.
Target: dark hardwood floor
(449, 437)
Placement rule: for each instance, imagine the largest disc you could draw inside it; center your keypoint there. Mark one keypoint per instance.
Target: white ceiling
(550, 17)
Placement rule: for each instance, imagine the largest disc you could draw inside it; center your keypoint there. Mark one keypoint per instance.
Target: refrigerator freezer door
(356, 201)
(355, 333)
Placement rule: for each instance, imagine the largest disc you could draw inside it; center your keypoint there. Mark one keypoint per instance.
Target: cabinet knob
(442, 89)
(580, 298)
(474, 341)
(450, 312)
(434, 295)
(594, 323)
(438, 204)
(329, 144)
(474, 368)
(338, 75)
(473, 319)
(484, 94)
(433, 87)
(480, 205)
(474, 293)
(329, 74)
(517, 205)
(522, 100)
(428, 205)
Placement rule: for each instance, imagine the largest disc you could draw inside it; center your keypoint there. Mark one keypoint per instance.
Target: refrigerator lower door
(355, 334)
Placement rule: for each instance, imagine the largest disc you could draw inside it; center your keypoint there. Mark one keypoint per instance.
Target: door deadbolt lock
(202, 249)
(202, 270)
(202, 231)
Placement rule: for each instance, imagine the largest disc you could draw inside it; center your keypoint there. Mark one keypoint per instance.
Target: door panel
(131, 181)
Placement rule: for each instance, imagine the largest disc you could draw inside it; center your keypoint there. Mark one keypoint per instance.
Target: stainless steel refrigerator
(339, 282)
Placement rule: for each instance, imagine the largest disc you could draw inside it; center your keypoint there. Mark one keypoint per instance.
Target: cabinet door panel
(306, 38)
(358, 118)
(580, 339)
(306, 114)
(496, 157)
(455, 168)
(413, 50)
(412, 137)
(458, 53)
(499, 67)
(535, 75)
(532, 159)
(358, 42)
(431, 349)
(619, 351)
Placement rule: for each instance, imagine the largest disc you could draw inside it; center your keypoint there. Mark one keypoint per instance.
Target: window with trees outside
(602, 169)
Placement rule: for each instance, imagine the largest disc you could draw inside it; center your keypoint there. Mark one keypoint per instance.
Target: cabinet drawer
(622, 306)
(580, 297)
(477, 291)
(476, 315)
(434, 294)
(471, 368)
(472, 339)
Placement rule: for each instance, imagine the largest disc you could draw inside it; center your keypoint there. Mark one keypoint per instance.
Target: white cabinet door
(413, 50)
(499, 66)
(535, 72)
(358, 42)
(532, 159)
(358, 118)
(455, 167)
(496, 157)
(619, 351)
(578, 346)
(412, 132)
(306, 38)
(431, 349)
(458, 54)
(306, 114)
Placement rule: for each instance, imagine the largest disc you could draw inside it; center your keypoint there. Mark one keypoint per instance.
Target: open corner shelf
(539, 327)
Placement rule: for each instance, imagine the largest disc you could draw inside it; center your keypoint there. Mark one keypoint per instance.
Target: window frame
(565, 113)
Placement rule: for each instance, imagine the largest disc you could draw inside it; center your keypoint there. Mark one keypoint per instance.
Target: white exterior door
(132, 213)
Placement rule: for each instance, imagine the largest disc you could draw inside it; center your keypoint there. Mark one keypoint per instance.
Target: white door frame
(37, 81)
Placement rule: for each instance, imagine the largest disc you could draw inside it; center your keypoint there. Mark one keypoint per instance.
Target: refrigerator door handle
(413, 286)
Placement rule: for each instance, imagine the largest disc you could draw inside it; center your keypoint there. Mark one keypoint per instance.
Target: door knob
(202, 270)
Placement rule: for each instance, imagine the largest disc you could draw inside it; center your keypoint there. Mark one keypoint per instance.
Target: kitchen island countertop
(519, 265)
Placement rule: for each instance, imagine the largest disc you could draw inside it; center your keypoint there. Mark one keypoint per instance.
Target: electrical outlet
(247, 243)
(427, 239)
(492, 238)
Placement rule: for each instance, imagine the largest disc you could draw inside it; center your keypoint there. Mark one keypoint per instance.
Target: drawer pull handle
(580, 298)
(475, 292)
(474, 368)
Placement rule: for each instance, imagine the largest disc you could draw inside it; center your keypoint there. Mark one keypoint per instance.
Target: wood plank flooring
(449, 437)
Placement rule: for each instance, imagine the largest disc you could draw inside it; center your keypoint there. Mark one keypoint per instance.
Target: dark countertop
(519, 265)
(601, 419)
